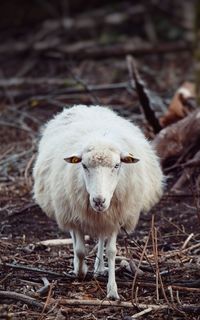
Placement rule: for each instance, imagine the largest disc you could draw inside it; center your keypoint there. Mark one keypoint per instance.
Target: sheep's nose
(99, 201)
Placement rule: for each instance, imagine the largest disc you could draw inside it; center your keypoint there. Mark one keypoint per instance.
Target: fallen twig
(155, 254)
(6, 152)
(178, 251)
(6, 277)
(121, 304)
(174, 286)
(45, 288)
(24, 209)
(96, 302)
(26, 172)
(58, 242)
(141, 313)
(27, 268)
(187, 241)
(45, 308)
(21, 297)
(137, 271)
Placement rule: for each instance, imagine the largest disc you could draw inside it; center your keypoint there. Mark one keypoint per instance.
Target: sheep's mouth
(99, 209)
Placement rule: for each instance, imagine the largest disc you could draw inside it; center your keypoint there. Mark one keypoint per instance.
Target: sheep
(110, 174)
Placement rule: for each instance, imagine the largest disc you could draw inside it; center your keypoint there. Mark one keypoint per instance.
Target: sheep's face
(101, 171)
(101, 175)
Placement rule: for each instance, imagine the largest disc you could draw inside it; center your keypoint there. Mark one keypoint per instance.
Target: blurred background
(54, 44)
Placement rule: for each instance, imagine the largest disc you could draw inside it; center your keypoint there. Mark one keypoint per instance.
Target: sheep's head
(101, 170)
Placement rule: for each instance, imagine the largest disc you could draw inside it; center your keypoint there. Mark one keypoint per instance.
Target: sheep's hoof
(112, 292)
(113, 296)
(81, 270)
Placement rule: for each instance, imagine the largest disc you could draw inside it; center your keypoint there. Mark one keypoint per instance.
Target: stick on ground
(21, 297)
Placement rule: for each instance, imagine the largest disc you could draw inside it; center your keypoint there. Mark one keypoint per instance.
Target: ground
(165, 243)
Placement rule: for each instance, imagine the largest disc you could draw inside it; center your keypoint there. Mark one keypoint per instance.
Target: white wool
(60, 188)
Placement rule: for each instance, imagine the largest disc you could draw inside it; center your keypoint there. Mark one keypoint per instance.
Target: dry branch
(58, 242)
(140, 262)
(191, 235)
(96, 302)
(141, 313)
(47, 302)
(24, 209)
(121, 304)
(176, 252)
(21, 297)
(183, 287)
(173, 286)
(27, 268)
(143, 95)
(45, 287)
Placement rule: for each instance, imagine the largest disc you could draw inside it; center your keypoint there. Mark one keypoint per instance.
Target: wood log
(175, 139)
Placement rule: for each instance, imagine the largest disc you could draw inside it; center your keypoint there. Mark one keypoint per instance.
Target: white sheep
(111, 175)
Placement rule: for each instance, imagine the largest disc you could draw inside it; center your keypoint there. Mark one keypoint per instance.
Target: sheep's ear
(128, 158)
(73, 159)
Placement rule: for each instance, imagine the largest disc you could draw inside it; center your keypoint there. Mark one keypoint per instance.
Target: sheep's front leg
(111, 254)
(80, 267)
(99, 267)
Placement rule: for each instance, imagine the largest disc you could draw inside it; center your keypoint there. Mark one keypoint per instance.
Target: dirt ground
(166, 240)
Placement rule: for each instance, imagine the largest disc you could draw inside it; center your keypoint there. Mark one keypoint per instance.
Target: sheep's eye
(117, 165)
(84, 166)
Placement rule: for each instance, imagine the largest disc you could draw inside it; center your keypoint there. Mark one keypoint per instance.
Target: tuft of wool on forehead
(100, 158)
(101, 155)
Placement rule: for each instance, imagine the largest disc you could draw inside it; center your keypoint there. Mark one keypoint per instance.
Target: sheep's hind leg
(99, 267)
(80, 267)
(111, 254)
